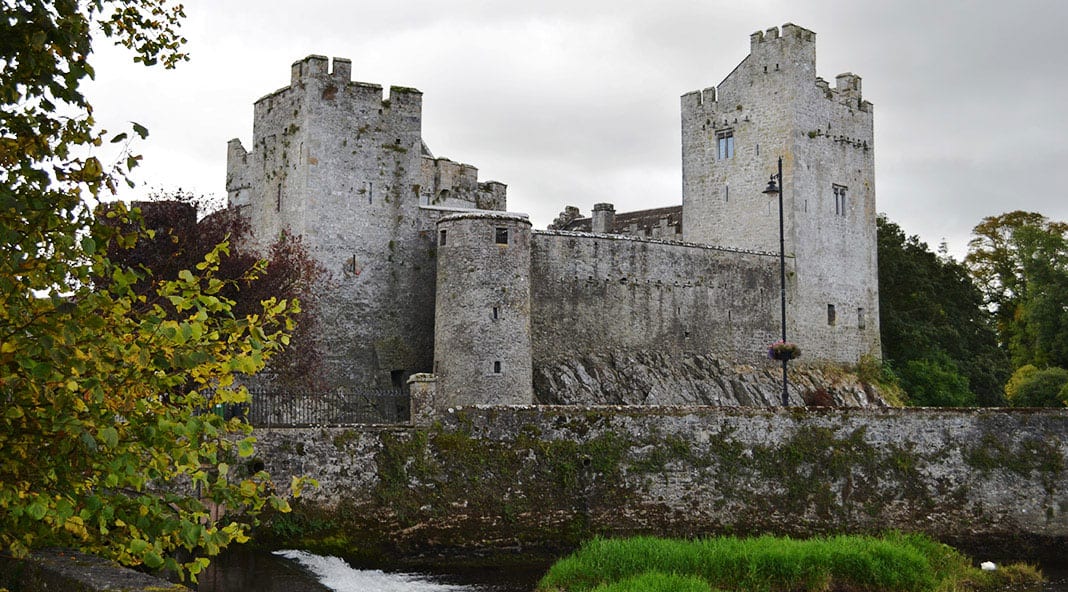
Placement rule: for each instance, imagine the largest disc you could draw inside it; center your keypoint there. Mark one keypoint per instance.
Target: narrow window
(497, 367)
(441, 238)
(278, 200)
(830, 314)
(370, 191)
(861, 321)
(502, 236)
(727, 192)
(839, 199)
(496, 313)
(725, 144)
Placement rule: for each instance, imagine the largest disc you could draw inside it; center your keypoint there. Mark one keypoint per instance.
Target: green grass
(894, 563)
(655, 581)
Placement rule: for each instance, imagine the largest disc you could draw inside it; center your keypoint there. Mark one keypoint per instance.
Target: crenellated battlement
(319, 65)
(333, 78)
(790, 32)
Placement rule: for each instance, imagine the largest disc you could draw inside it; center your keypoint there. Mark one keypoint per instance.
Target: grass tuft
(894, 563)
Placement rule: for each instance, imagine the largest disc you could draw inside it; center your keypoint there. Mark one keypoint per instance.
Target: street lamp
(774, 189)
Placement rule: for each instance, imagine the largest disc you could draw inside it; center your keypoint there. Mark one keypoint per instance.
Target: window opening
(496, 313)
(861, 321)
(727, 192)
(441, 237)
(497, 367)
(830, 314)
(397, 378)
(725, 144)
(370, 191)
(278, 200)
(501, 237)
(839, 199)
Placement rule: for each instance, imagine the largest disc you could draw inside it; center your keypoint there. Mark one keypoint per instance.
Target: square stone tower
(773, 105)
(345, 167)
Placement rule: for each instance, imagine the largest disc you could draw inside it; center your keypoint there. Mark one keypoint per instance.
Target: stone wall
(598, 293)
(540, 479)
(60, 569)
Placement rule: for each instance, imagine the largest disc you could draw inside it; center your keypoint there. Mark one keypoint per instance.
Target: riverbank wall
(71, 571)
(536, 481)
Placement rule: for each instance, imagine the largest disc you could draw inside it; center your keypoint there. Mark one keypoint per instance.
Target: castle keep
(431, 274)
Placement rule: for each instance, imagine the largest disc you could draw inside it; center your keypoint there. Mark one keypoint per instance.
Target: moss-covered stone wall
(537, 480)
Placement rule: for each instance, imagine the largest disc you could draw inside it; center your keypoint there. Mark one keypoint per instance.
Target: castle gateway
(430, 273)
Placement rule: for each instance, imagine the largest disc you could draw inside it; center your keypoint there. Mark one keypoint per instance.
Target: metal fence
(272, 408)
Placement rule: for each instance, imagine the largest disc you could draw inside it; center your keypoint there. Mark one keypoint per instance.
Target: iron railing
(275, 408)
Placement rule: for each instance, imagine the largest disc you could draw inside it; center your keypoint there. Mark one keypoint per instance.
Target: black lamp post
(774, 189)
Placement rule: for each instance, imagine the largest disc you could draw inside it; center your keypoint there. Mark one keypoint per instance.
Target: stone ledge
(70, 571)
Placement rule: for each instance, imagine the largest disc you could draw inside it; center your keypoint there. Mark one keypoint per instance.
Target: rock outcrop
(659, 378)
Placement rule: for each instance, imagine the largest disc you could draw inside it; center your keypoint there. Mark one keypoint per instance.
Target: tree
(107, 437)
(1020, 262)
(935, 383)
(180, 241)
(1031, 387)
(934, 326)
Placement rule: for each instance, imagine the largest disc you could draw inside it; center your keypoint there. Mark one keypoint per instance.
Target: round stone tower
(482, 344)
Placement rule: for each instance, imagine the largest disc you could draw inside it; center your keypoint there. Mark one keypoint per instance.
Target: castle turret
(482, 344)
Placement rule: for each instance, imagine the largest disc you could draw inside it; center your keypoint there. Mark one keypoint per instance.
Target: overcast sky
(577, 102)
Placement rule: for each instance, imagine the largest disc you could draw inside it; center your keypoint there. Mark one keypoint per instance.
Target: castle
(432, 274)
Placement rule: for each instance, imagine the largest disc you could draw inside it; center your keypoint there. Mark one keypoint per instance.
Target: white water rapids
(335, 574)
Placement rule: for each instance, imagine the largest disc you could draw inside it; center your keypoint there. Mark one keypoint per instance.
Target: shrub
(936, 383)
(1040, 388)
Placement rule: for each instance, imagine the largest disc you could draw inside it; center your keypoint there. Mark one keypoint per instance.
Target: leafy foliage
(1020, 261)
(936, 333)
(1031, 387)
(106, 387)
(179, 241)
(935, 383)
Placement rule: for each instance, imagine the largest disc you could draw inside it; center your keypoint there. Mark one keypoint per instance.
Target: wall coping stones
(655, 241)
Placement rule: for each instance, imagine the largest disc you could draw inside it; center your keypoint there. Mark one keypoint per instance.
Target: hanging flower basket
(784, 350)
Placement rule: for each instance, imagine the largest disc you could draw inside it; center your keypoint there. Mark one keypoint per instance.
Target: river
(300, 571)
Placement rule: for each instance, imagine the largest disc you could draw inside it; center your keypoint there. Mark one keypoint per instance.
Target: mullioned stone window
(725, 144)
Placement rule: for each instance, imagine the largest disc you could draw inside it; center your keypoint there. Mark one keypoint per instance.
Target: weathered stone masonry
(541, 479)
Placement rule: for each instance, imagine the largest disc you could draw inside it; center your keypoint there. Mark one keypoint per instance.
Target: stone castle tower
(335, 162)
(773, 105)
(482, 334)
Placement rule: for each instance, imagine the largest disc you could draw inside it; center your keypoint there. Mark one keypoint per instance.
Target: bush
(1030, 387)
(936, 383)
